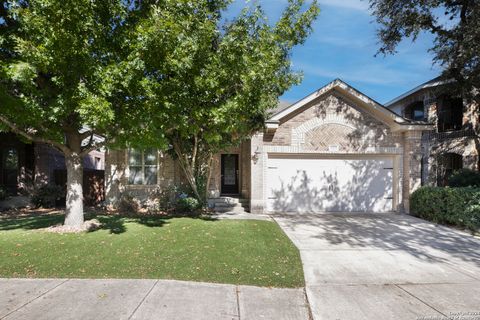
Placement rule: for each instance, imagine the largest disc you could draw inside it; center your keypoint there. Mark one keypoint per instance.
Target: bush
(187, 205)
(166, 198)
(451, 206)
(128, 205)
(464, 178)
(47, 195)
(3, 193)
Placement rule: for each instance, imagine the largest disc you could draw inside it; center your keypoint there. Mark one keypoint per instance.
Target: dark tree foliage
(455, 25)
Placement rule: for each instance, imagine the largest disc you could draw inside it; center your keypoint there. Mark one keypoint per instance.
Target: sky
(343, 45)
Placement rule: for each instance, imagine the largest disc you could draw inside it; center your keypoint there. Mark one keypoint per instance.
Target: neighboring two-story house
(453, 144)
(26, 165)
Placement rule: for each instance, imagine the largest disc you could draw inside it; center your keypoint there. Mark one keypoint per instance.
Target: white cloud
(345, 42)
(360, 5)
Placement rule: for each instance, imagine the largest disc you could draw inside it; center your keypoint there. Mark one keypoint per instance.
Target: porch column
(258, 159)
(412, 165)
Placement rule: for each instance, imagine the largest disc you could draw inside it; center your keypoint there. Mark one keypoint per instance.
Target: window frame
(449, 118)
(447, 164)
(409, 111)
(142, 166)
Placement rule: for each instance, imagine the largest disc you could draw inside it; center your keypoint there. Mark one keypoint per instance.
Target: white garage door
(306, 184)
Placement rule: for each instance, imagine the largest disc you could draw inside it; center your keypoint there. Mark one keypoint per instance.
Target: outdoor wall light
(256, 155)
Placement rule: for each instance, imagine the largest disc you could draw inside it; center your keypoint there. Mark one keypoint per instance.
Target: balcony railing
(442, 136)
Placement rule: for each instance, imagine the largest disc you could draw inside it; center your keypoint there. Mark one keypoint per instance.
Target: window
(448, 163)
(10, 159)
(415, 111)
(450, 114)
(143, 166)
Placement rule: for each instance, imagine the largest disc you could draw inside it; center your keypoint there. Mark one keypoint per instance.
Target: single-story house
(335, 150)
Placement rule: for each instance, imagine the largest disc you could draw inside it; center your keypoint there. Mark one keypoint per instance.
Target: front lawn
(225, 251)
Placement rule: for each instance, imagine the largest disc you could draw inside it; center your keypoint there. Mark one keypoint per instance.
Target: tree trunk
(188, 168)
(192, 181)
(73, 162)
(209, 177)
(74, 203)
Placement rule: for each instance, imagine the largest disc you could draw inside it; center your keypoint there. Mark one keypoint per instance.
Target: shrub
(187, 205)
(47, 195)
(464, 178)
(3, 193)
(172, 199)
(128, 204)
(166, 198)
(451, 206)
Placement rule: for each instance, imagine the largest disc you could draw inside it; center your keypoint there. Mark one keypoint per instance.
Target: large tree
(142, 73)
(67, 75)
(455, 25)
(217, 77)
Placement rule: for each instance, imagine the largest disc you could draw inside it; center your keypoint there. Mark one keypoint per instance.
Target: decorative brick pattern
(330, 120)
(322, 138)
(333, 121)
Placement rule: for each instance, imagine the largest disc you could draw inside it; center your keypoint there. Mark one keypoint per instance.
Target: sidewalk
(145, 299)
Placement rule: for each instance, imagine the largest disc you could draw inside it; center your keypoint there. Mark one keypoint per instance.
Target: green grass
(225, 251)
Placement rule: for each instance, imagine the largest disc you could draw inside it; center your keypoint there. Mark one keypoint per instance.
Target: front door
(229, 173)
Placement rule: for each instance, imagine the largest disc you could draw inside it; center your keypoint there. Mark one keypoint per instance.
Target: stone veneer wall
(412, 166)
(436, 143)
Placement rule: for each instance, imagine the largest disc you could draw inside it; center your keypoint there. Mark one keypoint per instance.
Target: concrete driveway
(386, 266)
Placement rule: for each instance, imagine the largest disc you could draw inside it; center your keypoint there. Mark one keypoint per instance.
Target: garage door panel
(316, 185)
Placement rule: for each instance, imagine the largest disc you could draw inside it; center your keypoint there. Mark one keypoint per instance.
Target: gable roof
(435, 82)
(396, 122)
(282, 105)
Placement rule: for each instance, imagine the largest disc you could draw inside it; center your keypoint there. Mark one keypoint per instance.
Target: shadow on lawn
(115, 224)
(30, 221)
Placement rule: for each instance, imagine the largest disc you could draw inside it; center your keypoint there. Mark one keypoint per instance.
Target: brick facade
(169, 175)
(336, 121)
(334, 125)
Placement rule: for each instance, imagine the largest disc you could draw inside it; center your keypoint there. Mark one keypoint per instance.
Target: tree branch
(195, 148)
(15, 129)
(86, 134)
(90, 147)
(90, 141)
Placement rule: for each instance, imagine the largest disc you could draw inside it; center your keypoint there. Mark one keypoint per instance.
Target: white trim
(271, 127)
(298, 150)
(346, 89)
(396, 127)
(429, 84)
